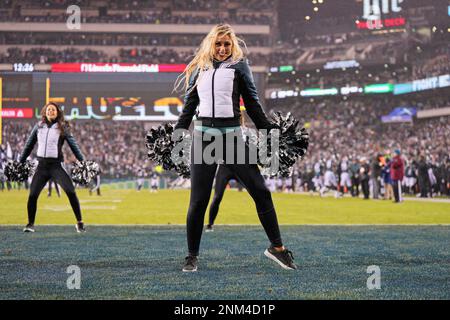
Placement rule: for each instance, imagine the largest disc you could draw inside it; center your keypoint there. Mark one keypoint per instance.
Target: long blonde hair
(204, 56)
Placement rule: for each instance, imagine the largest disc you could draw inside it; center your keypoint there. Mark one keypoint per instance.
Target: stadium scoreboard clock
(23, 67)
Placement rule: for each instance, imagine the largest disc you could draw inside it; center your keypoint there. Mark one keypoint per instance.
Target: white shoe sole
(272, 257)
(194, 270)
(79, 231)
(28, 230)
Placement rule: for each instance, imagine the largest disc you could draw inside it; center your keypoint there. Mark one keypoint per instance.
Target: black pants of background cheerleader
(223, 176)
(45, 171)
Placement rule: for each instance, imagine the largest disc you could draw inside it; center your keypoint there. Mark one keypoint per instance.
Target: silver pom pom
(19, 172)
(292, 145)
(161, 149)
(84, 171)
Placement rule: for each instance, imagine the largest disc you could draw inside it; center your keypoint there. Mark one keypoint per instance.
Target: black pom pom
(84, 171)
(19, 172)
(161, 149)
(292, 145)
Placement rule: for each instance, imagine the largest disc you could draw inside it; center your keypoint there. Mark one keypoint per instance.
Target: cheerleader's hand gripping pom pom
(16, 171)
(170, 150)
(84, 171)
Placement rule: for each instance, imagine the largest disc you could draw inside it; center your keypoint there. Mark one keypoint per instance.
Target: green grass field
(144, 262)
(333, 241)
(170, 207)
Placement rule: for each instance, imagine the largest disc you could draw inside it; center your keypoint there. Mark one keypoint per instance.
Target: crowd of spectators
(438, 64)
(423, 146)
(194, 5)
(358, 76)
(48, 55)
(338, 128)
(187, 5)
(419, 63)
(357, 112)
(151, 17)
(353, 129)
(118, 147)
(134, 55)
(430, 60)
(114, 39)
(147, 12)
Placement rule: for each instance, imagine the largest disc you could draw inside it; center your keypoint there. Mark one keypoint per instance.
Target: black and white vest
(50, 141)
(214, 96)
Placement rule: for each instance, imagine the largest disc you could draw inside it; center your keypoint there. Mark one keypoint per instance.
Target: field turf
(144, 262)
(170, 207)
(121, 260)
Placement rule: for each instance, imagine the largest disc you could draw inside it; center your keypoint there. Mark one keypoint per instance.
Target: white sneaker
(29, 228)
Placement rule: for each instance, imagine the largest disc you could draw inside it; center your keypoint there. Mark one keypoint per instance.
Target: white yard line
(101, 200)
(67, 208)
(330, 195)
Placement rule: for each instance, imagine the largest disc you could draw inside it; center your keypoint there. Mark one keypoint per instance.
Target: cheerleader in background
(49, 193)
(50, 134)
(223, 177)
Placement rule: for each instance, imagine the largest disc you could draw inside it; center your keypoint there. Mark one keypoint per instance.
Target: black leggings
(50, 187)
(44, 172)
(202, 177)
(223, 175)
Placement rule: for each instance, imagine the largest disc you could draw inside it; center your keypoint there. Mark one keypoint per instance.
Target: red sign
(17, 113)
(377, 24)
(172, 67)
(116, 67)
